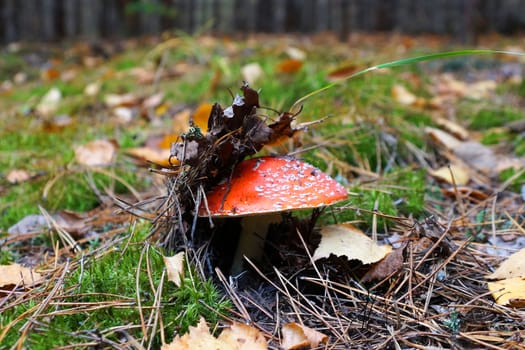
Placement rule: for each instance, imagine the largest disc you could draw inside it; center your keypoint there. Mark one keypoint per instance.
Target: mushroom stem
(252, 239)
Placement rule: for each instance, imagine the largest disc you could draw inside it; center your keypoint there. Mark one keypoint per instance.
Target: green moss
(489, 118)
(111, 279)
(518, 180)
(518, 142)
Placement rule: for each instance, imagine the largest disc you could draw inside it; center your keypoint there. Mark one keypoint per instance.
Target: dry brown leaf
(478, 156)
(386, 267)
(96, 153)
(453, 174)
(16, 274)
(289, 66)
(175, 267)
(17, 176)
(153, 101)
(49, 74)
(126, 100)
(158, 156)
(72, 222)
(243, 337)
(509, 292)
(455, 129)
(402, 95)
(465, 192)
(197, 338)
(297, 336)
(513, 266)
(347, 240)
(237, 337)
(343, 71)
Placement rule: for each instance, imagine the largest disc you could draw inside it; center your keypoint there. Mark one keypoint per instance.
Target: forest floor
(431, 154)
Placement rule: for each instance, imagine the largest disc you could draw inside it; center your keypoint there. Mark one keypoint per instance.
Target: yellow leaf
(175, 267)
(237, 337)
(347, 240)
(16, 274)
(454, 174)
(514, 266)
(297, 336)
(510, 292)
(96, 153)
(200, 116)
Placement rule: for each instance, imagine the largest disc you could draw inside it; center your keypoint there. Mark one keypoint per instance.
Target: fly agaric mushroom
(260, 190)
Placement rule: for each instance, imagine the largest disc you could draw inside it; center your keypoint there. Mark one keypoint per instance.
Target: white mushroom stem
(252, 239)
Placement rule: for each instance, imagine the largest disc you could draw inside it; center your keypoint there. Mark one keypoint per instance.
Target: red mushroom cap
(272, 184)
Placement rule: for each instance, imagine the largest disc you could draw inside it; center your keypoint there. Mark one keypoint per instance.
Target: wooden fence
(50, 20)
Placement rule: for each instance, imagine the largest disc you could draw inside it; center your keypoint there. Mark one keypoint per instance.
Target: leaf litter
(431, 292)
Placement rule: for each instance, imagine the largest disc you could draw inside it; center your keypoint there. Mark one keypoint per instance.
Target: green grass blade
(406, 61)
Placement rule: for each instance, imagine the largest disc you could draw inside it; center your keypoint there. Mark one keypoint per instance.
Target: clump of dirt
(202, 160)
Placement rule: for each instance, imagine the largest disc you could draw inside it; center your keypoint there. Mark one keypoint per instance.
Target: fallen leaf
(347, 240)
(295, 53)
(197, 338)
(181, 122)
(297, 336)
(478, 156)
(465, 192)
(158, 156)
(153, 101)
(455, 129)
(124, 115)
(175, 268)
(30, 223)
(289, 66)
(49, 74)
(513, 266)
(16, 176)
(385, 267)
(402, 95)
(343, 71)
(243, 337)
(237, 337)
(96, 153)
(143, 75)
(126, 100)
(509, 292)
(49, 102)
(16, 274)
(72, 222)
(252, 72)
(480, 89)
(453, 174)
(57, 123)
(200, 116)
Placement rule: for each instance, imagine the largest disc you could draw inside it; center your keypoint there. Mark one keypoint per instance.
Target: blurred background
(53, 20)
